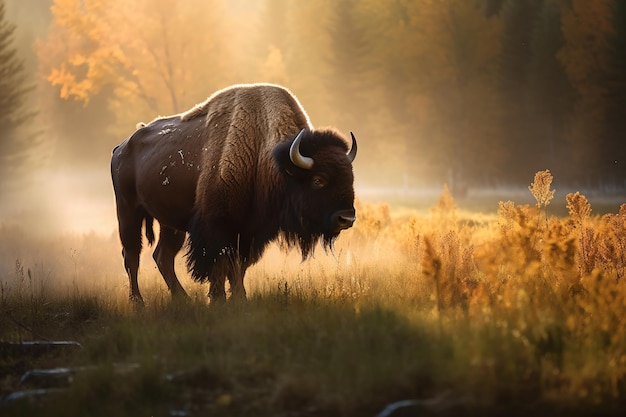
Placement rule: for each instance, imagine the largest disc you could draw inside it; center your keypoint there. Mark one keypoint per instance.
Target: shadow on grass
(284, 354)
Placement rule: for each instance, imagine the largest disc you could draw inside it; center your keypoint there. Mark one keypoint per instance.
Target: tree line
(472, 92)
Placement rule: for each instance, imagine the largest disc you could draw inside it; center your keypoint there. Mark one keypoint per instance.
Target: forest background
(472, 93)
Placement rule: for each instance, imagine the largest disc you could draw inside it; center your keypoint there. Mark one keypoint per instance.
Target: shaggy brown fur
(222, 173)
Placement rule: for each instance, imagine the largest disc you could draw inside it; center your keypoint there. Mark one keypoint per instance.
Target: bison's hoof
(136, 300)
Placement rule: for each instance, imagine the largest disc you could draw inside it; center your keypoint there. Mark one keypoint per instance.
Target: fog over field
(478, 94)
(469, 97)
(428, 107)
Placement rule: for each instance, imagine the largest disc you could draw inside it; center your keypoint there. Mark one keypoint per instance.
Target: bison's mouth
(341, 220)
(338, 221)
(325, 232)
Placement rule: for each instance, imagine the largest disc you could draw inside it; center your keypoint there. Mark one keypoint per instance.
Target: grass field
(517, 312)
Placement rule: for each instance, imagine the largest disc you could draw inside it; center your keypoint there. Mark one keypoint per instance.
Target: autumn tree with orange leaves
(154, 57)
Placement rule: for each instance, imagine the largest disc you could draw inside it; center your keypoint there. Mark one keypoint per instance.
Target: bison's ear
(283, 161)
(289, 157)
(281, 156)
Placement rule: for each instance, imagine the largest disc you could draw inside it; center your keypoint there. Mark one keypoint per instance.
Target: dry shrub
(600, 330)
(518, 236)
(540, 188)
(450, 264)
(578, 207)
(612, 244)
(448, 258)
(444, 214)
(601, 240)
(373, 220)
(445, 204)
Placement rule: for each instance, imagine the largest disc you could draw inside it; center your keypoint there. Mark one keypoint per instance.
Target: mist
(478, 94)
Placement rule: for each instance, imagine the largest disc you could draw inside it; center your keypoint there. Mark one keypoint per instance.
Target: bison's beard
(328, 241)
(304, 233)
(307, 242)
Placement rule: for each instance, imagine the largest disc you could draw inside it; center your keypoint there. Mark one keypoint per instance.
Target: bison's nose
(343, 219)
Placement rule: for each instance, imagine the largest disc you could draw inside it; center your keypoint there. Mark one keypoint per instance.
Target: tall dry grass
(507, 309)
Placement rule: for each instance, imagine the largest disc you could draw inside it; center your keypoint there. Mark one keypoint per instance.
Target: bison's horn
(296, 157)
(353, 148)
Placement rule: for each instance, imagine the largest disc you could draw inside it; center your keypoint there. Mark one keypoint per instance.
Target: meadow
(513, 312)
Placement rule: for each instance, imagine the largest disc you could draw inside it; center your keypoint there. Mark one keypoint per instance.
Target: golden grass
(506, 310)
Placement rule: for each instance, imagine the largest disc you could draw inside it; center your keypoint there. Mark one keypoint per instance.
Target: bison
(234, 173)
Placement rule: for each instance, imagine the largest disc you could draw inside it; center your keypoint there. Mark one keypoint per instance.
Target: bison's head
(317, 167)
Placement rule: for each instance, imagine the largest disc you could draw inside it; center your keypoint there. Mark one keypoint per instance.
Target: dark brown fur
(221, 172)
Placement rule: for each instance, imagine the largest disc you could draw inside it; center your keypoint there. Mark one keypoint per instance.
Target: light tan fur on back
(243, 124)
(201, 109)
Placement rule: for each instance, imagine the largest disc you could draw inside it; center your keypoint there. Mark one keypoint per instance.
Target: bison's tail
(150, 229)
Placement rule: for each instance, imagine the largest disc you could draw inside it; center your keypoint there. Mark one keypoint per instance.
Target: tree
(267, 54)
(305, 43)
(16, 139)
(613, 156)
(518, 19)
(584, 56)
(493, 7)
(548, 95)
(150, 62)
(349, 62)
(461, 86)
(438, 77)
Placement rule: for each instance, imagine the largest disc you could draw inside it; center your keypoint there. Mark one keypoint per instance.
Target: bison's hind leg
(170, 243)
(130, 235)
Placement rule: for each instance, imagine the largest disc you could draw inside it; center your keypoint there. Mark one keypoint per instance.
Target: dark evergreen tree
(16, 139)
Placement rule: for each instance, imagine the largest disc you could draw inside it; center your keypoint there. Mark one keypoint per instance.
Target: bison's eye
(318, 182)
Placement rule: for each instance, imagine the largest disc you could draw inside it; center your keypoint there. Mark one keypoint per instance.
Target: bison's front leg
(217, 290)
(232, 266)
(235, 274)
(237, 289)
(217, 280)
